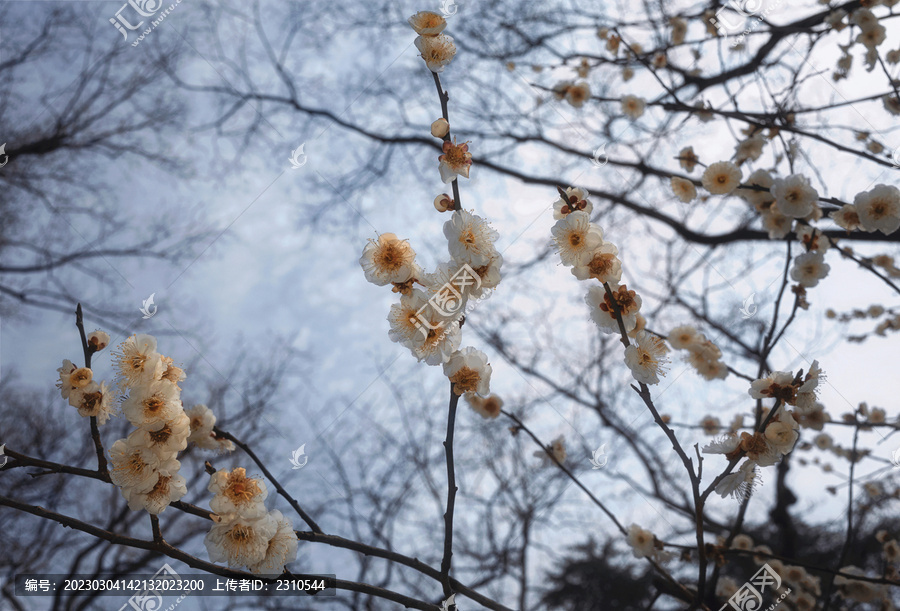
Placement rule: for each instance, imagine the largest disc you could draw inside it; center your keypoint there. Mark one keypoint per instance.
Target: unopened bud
(442, 203)
(440, 128)
(98, 340)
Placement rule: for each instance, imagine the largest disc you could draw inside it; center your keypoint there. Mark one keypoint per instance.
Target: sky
(265, 277)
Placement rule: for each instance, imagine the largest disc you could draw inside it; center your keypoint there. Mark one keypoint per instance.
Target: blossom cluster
(428, 318)
(791, 204)
(77, 384)
(703, 355)
(766, 447)
(581, 246)
(805, 587)
(144, 464)
(437, 49)
(244, 534)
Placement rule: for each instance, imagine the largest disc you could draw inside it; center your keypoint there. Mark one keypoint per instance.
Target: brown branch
(451, 495)
(95, 429)
(192, 561)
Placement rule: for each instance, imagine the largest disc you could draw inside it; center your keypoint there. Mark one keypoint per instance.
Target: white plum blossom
(751, 148)
(633, 106)
(406, 328)
(166, 438)
(794, 196)
(578, 94)
(879, 209)
(556, 450)
(603, 265)
(847, 217)
(168, 488)
(603, 311)
(683, 189)
(809, 268)
(240, 541)
(64, 384)
(762, 198)
(812, 238)
(441, 340)
(687, 159)
(646, 358)
(455, 160)
(738, 484)
(152, 403)
(437, 51)
(202, 420)
(73, 378)
(92, 400)
(683, 337)
(388, 260)
(576, 238)
(782, 433)
(576, 199)
(490, 276)
(721, 178)
(806, 394)
(487, 408)
(641, 541)
(778, 384)
(725, 445)
(469, 371)
(138, 466)
(711, 425)
(776, 224)
(281, 550)
(470, 239)
(138, 362)
(426, 23)
(235, 493)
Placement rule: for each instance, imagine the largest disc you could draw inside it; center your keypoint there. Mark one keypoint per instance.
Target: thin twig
(687, 595)
(291, 500)
(444, 97)
(88, 352)
(451, 495)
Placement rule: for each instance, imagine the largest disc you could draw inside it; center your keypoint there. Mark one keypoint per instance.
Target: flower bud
(443, 203)
(440, 128)
(98, 340)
